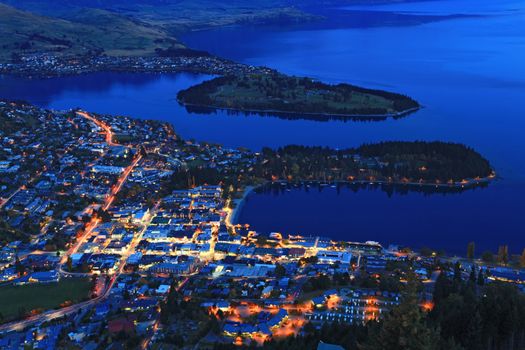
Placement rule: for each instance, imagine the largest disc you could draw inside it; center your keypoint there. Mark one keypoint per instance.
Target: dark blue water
(462, 59)
(487, 216)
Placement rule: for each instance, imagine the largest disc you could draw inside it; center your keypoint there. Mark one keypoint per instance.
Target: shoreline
(233, 216)
(457, 184)
(311, 114)
(32, 68)
(239, 204)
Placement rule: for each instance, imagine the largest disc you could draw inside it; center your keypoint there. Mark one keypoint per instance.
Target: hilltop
(90, 31)
(176, 15)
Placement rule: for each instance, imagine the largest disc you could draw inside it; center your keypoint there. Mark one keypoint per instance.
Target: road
(53, 314)
(120, 182)
(102, 125)
(109, 198)
(146, 342)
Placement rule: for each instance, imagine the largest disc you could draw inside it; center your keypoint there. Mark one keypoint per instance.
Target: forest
(399, 161)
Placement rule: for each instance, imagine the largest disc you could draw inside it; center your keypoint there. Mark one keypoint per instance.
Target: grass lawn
(41, 296)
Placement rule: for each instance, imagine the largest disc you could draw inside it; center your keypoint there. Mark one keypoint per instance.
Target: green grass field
(41, 296)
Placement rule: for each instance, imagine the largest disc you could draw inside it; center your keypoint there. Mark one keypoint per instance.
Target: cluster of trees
(385, 282)
(10, 234)
(192, 177)
(478, 317)
(429, 161)
(503, 256)
(177, 310)
(281, 93)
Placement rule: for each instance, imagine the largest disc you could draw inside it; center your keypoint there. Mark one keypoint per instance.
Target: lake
(487, 216)
(461, 59)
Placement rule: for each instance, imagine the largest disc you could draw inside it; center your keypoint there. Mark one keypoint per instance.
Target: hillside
(175, 16)
(87, 31)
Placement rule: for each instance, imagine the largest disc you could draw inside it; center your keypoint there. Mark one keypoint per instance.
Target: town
(109, 238)
(48, 64)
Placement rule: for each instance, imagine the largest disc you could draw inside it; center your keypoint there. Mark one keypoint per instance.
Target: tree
(442, 288)
(522, 259)
(404, 328)
(487, 257)
(69, 264)
(19, 267)
(503, 254)
(22, 312)
(471, 247)
(474, 332)
(280, 271)
(481, 279)
(164, 313)
(502, 309)
(472, 277)
(426, 252)
(457, 275)
(262, 241)
(85, 268)
(450, 344)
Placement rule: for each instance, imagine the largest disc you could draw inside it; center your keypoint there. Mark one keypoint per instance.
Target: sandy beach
(238, 204)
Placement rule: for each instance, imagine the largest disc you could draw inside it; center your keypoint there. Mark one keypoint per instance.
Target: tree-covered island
(394, 161)
(278, 93)
(438, 165)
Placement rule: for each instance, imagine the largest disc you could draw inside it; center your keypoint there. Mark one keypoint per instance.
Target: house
(76, 337)
(40, 277)
(266, 292)
(296, 252)
(163, 289)
(278, 319)
(284, 282)
(332, 256)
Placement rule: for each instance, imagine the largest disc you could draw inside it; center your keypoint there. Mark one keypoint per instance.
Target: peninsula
(298, 97)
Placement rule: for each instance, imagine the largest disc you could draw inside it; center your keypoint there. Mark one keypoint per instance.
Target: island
(277, 93)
